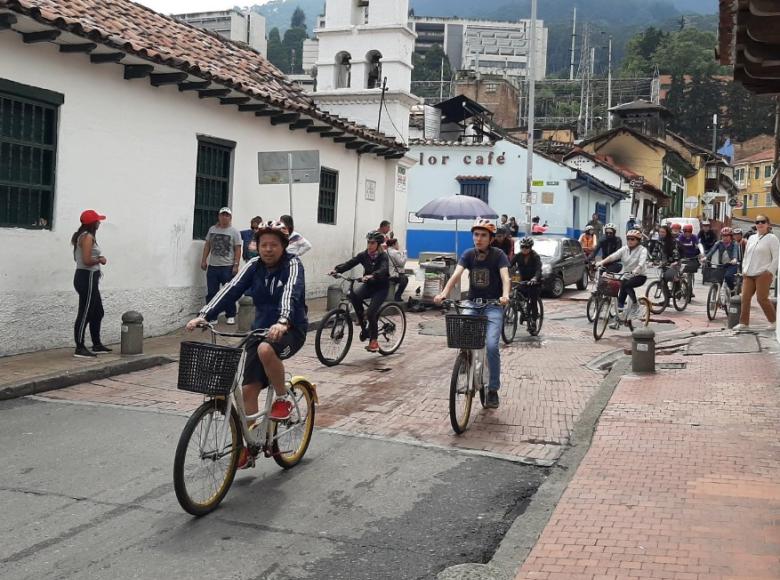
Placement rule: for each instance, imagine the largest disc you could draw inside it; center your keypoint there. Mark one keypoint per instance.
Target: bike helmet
(274, 227)
(726, 232)
(483, 224)
(737, 231)
(632, 217)
(527, 242)
(687, 228)
(676, 226)
(503, 230)
(610, 226)
(636, 234)
(375, 236)
(706, 223)
(588, 229)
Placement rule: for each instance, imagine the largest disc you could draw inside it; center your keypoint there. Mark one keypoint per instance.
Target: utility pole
(531, 104)
(609, 86)
(714, 133)
(573, 44)
(441, 81)
(591, 74)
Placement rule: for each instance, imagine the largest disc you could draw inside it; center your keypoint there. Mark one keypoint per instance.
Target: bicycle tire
(509, 325)
(336, 325)
(658, 297)
(592, 307)
(713, 299)
(681, 296)
(460, 373)
(303, 393)
(535, 326)
(390, 317)
(185, 493)
(601, 320)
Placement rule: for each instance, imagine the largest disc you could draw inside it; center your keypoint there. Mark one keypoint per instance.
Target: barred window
(475, 188)
(28, 153)
(212, 184)
(329, 187)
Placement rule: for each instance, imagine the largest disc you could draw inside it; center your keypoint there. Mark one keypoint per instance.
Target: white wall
(129, 150)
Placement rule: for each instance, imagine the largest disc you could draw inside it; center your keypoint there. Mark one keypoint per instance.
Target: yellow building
(753, 176)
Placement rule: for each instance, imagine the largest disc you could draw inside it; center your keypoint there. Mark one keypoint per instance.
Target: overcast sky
(180, 6)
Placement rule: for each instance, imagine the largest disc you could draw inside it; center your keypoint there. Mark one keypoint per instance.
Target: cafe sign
(489, 158)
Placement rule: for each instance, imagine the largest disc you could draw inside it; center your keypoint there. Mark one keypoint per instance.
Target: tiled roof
(473, 178)
(441, 143)
(142, 32)
(766, 155)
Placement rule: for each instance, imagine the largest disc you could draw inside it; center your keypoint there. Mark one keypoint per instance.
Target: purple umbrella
(456, 207)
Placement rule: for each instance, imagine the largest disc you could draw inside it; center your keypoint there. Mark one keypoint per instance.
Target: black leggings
(377, 296)
(627, 288)
(90, 306)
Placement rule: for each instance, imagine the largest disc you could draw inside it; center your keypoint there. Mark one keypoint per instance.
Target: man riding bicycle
(729, 255)
(528, 265)
(488, 280)
(275, 281)
(634, 259)
(376, 285)
(608, 245)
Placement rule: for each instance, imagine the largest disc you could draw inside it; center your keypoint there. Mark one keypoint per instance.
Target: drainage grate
(671, 365)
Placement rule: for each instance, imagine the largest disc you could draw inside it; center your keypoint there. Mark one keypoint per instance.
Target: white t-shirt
(761, 255)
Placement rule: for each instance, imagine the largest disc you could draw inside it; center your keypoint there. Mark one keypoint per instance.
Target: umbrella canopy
(456, 207)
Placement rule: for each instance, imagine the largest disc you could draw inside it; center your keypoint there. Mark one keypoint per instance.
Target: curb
(60, 380)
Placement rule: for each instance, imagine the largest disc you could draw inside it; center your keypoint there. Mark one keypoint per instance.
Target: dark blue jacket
(278, 293)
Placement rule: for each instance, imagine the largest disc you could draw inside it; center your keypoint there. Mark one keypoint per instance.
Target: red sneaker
(373, 346)
(280, 410)
(245, 459)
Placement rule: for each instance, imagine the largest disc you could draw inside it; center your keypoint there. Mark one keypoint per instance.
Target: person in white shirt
(397, 271)
(298, 245)
(758, 269)
(633, 256)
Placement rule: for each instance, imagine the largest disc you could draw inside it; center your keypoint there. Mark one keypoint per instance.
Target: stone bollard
(335, 294)
(643, 351)
(246, 313)
(132, 333)
(735, 310)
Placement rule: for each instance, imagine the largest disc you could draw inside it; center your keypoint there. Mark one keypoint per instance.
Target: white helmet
(610, 226)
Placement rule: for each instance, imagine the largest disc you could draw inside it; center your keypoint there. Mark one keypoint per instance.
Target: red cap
(90, 216)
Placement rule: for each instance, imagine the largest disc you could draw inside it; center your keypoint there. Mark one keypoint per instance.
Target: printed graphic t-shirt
(223, 242)
(484, 273)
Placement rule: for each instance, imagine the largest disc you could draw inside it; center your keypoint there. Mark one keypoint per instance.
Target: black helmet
(527, 242)
(375, 236)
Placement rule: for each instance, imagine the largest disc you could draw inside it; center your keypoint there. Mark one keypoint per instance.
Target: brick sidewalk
(681, 480)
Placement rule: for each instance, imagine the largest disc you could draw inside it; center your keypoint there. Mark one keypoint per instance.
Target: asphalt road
(86, 492)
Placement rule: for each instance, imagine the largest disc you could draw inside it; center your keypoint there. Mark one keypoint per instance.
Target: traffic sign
(733, 202)
(637, 183)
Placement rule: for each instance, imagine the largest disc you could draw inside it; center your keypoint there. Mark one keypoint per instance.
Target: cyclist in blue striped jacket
(275, 280)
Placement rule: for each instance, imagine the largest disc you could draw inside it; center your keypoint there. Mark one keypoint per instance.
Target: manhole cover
(737, 344)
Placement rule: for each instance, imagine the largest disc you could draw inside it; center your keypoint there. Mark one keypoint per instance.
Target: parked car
(563, 263)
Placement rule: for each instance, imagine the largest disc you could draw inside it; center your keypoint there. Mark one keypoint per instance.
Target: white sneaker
(230, 320)
(741, 327)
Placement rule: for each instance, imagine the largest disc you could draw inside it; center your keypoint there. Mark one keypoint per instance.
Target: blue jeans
(495, 316)
(731, 275)
(216, 276)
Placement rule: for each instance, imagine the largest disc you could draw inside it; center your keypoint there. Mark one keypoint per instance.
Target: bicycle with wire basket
(466, 332)
(660, 292)
(334, 335)
(518, 311)
(720, 294)
(207, 454)
(634, 314)
(596, 295)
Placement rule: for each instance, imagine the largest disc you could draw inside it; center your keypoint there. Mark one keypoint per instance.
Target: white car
(683, 221)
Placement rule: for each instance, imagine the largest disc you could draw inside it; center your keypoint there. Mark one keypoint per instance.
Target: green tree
(688, 52)
(276, 52)
(428, 66)
(640, 53)
(293, 41)
(298, 19)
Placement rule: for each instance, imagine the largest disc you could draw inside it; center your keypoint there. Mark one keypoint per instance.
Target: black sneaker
(84, 352)
(101, 349)
(363, 332)
(491, 401)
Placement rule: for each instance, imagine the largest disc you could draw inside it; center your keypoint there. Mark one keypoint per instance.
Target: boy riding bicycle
(488, 280)
(275, 280)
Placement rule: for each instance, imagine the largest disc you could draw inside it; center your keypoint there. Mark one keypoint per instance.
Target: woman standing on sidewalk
(88, 257)
(758, 268)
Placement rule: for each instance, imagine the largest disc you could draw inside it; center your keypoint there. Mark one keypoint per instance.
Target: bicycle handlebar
(469, 304)
(347, 278)
(259, 333)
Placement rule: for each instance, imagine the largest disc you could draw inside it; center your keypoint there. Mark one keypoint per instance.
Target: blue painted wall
(436, 241)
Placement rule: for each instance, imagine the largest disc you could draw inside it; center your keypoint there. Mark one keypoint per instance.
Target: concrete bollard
(335, 294)
(246, 313)
(643, 351)
(132, 341)
(735, 311)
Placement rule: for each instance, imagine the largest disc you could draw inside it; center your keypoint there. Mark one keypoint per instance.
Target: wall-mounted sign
(370, 189)
(400, 179)
(276, 167)
(548, 197)
(537, 183)
(413, 219)
(552, 183)
(489, 158)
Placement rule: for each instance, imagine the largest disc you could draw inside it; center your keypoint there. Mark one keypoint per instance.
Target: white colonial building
(157, 125)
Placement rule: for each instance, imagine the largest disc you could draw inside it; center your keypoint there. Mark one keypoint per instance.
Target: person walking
(598, 227)
(758, 268)
(248, 238)
(298, 245)
(221, 258)
(397, 271)
(89, 259)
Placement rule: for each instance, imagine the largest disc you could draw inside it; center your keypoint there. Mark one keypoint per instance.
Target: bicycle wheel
(461, 393)
(334, 337)
(658, 297)
(713, 299)
(291, 438)
(592, 307)
(681, 295)
(535, 325)
(509, 328)
(392, 328)
(203, 470)
(641, 316)
(601, 320)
